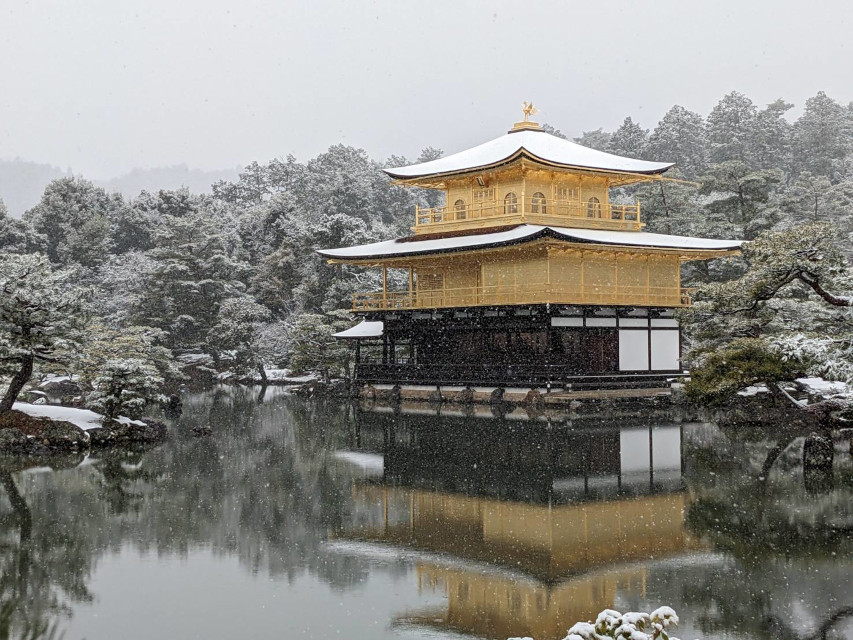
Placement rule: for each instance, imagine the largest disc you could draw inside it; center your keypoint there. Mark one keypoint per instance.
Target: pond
(323, 520)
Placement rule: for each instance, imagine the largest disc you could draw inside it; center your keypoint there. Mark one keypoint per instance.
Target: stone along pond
(303, 519)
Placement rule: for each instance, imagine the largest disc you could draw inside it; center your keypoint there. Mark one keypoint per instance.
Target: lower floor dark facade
(522, 346)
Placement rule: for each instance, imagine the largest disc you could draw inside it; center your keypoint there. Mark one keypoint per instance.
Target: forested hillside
(228, 280)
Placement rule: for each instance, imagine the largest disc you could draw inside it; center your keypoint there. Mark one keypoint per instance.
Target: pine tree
(823, 135)
(770, 141)
(41, 313)
(314, 348)
(235, 333)
(15, 235)
(630, 140)
(740, 198)
(730, 128)
(195, 270)
(680, 138)
(104, 344)
(123, 387)
(793, 297)
(74, 217)
(598, 139)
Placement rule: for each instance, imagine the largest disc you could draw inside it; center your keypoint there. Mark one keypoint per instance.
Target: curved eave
(523, 153)
(697, 248)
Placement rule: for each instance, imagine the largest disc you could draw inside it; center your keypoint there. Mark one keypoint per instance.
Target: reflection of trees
(41, 568)
(788, 546)
(263, 487)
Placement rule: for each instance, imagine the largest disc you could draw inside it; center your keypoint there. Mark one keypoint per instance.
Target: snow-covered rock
(822, 387)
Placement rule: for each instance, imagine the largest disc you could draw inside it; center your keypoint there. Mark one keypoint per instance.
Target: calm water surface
(314, 520)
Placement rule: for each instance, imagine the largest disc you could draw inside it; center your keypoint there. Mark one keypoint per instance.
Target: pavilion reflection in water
(526, 526)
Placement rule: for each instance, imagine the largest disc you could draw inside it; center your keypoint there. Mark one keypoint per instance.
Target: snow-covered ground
(284, 376)
(83, 418)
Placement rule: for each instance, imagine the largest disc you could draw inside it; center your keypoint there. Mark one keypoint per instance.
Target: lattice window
(430, 281)
(484, 195)
(565, 193)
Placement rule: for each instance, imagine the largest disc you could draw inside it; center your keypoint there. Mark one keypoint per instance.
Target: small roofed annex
(528, 276)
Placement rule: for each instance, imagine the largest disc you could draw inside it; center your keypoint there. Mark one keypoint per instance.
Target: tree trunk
(264, 380)
(18, 381)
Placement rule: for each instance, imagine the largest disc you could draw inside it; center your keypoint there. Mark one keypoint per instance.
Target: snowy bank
(283, 376)
(82, 418)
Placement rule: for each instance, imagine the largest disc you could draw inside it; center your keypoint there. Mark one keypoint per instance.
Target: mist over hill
(22, 182)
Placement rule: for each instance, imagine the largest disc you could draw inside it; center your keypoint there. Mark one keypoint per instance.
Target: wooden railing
(523, 294)
(533, 210)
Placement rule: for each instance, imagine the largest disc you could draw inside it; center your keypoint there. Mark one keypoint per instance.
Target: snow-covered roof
(534, 143)
(525, 233)
(364, 329)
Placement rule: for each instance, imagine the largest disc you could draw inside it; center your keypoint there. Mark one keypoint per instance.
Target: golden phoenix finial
(528, 109)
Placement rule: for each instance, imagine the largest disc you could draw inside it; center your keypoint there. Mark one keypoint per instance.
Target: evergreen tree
(74, 218)
(15, 235)
(630, 140)
(195, 270)
(823, 135)
(740, 198)
(104, 344)
(235, 334)
(794, 295)
(41, 312)
(314, 348)
(680, 138)
(123, 387)
(598, 139)
(730, 129)
(770, 140)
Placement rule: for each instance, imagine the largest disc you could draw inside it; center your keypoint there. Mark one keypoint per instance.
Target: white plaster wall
(665, 350)
(633, 350)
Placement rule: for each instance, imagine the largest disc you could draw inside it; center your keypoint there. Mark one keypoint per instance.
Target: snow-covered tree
(740, 198)
(314, 348)
(74, 218)
(770, 139)
(123, 387)
(823, 135)
(235, 333)
(15, 235)
(41, 312)
(680, 138)
(104, 344)
(598, 139)
(196, 267)
(795, 297)
(630, 139)
(730, 127)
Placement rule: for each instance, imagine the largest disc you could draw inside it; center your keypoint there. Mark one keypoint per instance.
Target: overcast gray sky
(103, 86)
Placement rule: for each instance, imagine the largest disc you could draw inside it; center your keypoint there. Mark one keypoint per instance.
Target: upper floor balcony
(523, 294)
(524, 209)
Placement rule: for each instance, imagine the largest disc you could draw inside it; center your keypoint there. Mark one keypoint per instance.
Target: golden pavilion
(529, 276)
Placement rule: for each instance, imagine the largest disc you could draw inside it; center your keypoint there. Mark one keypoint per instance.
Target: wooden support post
(411, 286)
(384, 287)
